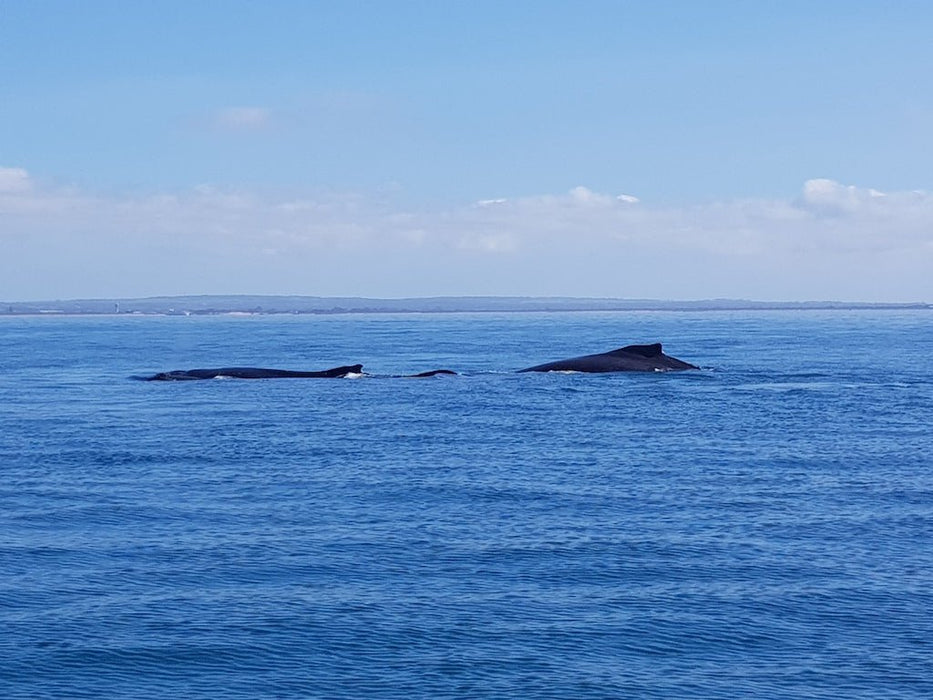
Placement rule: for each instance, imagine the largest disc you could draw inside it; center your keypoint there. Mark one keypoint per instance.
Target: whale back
(252, 373)
(631, 358)
(652, 350)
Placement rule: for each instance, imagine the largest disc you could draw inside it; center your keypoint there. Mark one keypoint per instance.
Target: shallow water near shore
(762, 527)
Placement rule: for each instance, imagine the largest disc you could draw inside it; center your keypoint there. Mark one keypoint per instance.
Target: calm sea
(762, 528)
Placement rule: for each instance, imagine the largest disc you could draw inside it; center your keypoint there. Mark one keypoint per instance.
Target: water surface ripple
(761, 528)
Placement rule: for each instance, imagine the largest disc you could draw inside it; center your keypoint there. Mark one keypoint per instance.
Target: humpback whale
(264, 373)
(251, 373)
(631, 358)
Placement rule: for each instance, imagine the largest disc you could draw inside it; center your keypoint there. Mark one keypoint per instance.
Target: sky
(662, 150)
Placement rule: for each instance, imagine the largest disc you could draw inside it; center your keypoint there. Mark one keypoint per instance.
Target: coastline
(256, 305)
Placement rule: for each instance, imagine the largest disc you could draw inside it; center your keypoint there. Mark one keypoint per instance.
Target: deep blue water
(761, 528)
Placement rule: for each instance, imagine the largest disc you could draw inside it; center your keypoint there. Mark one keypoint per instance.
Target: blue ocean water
(761, 528)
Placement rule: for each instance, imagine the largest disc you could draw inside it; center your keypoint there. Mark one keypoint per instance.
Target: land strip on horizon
(273, 304)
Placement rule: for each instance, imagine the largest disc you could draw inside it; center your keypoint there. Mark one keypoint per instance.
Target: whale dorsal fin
(652, 350)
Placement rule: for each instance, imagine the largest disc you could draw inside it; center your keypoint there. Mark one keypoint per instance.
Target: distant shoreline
(258, 305)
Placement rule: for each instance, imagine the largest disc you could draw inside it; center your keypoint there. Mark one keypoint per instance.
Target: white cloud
(833, 241)
(584, 196)
(830, 197)
(14, 180)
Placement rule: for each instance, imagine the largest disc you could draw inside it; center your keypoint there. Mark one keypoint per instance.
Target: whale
(180, 375)
(631, 358)
(252, 373)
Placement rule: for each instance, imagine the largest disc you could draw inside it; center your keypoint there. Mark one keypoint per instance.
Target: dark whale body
(264, 373)
(251, 373)
(631, 358)
(430, 373)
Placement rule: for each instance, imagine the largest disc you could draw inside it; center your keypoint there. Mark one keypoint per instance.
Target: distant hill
(251, 304)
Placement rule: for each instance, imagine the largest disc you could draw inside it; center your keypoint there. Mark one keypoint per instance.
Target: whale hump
(652, 350)
(430, 373)
(631, 358)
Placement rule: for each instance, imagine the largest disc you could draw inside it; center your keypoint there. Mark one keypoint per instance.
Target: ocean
(760, 528)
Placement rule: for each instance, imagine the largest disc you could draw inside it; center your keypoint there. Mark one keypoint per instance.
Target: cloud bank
(832, 241)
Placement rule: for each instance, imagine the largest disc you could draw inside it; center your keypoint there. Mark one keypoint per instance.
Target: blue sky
(665, 149)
